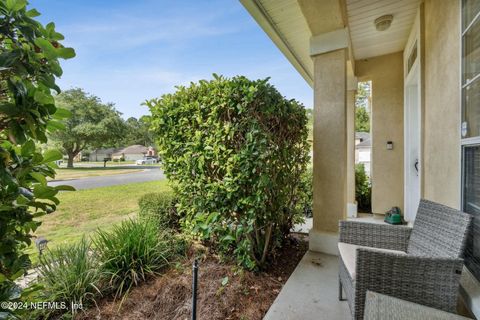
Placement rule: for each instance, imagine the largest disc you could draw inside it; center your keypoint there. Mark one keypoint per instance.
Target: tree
(138, 132)
(362, 107)
(309, 113)
(93, 124)
(29, 54)
(362, 120)
(235, 150)
(363, 189)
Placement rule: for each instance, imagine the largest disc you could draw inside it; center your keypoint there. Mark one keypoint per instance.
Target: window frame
(468, 141)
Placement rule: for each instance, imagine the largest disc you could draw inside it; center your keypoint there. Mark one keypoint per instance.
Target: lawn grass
(82, 212)
(83, 172)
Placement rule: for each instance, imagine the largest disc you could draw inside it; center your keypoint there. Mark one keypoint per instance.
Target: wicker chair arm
(375, 235)
(424, 280)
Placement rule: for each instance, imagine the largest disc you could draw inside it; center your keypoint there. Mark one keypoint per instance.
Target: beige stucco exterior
(329, 141)
(318, 22)
(439, 58)
(441, 144)
(386, 74)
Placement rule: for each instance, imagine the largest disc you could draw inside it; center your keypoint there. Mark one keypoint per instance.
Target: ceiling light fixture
(383, 23)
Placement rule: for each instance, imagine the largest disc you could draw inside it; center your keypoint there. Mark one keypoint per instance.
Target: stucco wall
(442, 98)
(386, 74)
(329, 141)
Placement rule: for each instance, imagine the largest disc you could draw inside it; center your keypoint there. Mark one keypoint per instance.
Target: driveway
(149, 174)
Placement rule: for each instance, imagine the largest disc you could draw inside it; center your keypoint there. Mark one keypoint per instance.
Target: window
(470, 127)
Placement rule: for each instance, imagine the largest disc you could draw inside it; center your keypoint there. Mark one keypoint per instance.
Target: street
(149, 174)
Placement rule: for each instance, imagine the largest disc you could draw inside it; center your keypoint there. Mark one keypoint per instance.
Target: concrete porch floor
(311, 292)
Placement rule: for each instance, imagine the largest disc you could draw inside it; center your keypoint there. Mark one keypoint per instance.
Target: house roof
(365, 141)
(133, 149)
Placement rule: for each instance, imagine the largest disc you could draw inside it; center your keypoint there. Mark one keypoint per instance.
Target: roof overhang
(271, 27)
(304, 28)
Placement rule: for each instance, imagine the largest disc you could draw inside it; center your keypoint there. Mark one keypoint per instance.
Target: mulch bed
(246, 296)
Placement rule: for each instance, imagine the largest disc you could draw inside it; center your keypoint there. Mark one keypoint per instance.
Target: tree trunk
(70, 160)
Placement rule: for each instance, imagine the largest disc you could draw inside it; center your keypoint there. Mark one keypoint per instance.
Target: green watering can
(393, 216)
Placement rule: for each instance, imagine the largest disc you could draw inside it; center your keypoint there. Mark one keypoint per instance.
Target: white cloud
(125, 32)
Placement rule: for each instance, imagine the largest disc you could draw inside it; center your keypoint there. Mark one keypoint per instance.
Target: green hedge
(236, 150)
(363, 189)
(161, 207)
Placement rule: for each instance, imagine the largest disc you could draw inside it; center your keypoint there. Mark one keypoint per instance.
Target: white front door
(412, 144)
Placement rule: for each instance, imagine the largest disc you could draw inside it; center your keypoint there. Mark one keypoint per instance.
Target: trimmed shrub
(70, 274)
(236, 150)
(363, 189)
(160, 206)
(134, 250)
(307, 192)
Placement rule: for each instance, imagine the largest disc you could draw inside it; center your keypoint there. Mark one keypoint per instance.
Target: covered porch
(410, 51)
(335, 44)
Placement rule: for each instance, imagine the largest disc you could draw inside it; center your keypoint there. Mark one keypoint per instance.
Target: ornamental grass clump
(70, 274)
(235, 150)
(134, 250)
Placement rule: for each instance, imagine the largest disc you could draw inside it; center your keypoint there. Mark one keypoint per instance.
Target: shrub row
(363, 189)
(111, 263)
(160, 207)
(236, 151)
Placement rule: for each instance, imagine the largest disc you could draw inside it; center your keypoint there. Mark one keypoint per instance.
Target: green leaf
(9, 58)
(62, 113)
(53, 126)
(43, 98)
(39, 177)
(57, 36)
(15, 5)
(47, 48)
(28, 148)
(18, 274)
(64, 188)
(228, 238)
(66, 53)
(32, 13)
(52, 155)
(56, 69)
(44, 192)
(50, 27)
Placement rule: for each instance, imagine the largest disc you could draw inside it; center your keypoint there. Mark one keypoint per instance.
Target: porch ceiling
(366, 40)
(290, 29)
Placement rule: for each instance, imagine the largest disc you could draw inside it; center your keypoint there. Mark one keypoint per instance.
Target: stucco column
(329, 149)
(351, 204)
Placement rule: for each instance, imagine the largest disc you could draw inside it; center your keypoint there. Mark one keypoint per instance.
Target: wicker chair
(422, 264)
(379, 307)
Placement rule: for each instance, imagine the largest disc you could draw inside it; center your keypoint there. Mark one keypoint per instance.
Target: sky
(129, 51)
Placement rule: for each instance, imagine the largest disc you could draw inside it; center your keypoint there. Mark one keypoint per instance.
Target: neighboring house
(100, 154)
(133, 153)
(363, 150)
(130, 153)
(423, 61)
